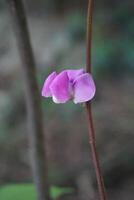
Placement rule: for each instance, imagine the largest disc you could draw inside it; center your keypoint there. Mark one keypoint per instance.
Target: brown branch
(89, 35)
(92, 139)
(36, 135)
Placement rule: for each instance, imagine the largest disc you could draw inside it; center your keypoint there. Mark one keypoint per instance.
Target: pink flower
(69, 84)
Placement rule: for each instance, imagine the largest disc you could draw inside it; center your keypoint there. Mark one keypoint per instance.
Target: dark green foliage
(113, 50)
(76, 27)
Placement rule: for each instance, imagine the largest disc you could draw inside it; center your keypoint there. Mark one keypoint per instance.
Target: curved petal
(73, 74)
(46, 87)
(60, 88)
(84, 88)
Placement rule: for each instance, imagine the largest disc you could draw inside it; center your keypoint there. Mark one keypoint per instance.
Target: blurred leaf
(27, 191)
(58, 191)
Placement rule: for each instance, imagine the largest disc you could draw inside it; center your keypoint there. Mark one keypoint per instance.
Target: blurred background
(57, 29)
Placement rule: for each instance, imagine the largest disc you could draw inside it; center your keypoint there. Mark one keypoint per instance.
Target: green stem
(36, 133)
(92, 139)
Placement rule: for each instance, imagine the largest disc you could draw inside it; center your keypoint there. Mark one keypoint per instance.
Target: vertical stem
(92, 139)
(36, 135)
(89, 35)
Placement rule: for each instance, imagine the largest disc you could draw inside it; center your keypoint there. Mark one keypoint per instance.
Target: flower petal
(84, 88)
(60, 88)
(46, 87)
(73, 74)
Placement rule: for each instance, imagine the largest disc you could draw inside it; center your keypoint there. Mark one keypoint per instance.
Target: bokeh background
(57, 29)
